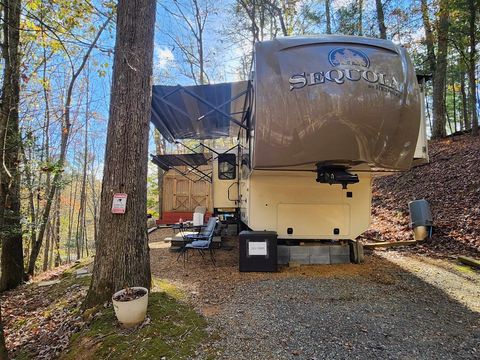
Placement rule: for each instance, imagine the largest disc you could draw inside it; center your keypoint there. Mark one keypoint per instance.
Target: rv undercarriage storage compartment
(258, 251)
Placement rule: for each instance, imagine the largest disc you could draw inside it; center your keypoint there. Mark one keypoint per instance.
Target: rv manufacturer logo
(349, 65)
(347, 56)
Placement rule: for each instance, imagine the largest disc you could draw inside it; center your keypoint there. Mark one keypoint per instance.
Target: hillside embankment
(450, 183)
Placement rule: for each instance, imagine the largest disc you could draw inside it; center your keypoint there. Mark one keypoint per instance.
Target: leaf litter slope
(450, 183)
(45, 322)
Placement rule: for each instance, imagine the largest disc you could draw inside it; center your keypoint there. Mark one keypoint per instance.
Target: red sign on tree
(119, 203)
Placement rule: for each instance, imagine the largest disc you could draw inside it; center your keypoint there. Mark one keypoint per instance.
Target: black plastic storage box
(258, 251)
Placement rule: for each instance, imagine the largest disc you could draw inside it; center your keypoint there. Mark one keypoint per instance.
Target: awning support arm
(216, 152)
(196, 168)
(217, 108)
(228, 116)
(157, 162)
(193, 169)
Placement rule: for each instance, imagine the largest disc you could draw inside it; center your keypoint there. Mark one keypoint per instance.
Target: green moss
(56, 298)
(18, 323)
(81, 264)
(23, 355)
(175, 331)
(57, 291)
(170, 289)
(465, 269)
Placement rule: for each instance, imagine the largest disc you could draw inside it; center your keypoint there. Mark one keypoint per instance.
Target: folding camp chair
(202, 241)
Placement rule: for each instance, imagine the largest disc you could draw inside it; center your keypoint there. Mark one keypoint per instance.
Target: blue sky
(166, 61)
(223, 54)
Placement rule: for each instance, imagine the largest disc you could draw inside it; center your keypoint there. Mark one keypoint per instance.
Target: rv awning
(167, 162)
(199, 112)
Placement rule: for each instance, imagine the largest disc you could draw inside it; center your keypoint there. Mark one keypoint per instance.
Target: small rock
(48, 283)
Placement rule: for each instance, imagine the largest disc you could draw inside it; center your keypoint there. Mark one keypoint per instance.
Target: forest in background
(53, 161)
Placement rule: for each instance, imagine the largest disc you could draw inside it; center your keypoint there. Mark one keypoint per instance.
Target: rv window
(226, 166)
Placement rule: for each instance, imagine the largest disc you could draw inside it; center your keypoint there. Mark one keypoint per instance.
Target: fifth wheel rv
(319, 117)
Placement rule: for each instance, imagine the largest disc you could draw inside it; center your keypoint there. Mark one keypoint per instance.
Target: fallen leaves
(450, 183)
(38, 321)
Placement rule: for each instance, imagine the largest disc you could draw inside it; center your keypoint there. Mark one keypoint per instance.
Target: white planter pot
(131, 313)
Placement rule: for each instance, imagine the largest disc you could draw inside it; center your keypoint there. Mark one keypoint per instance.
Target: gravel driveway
(348, 318)
(392, 307)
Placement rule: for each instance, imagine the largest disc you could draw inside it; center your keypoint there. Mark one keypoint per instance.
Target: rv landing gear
(335, 174)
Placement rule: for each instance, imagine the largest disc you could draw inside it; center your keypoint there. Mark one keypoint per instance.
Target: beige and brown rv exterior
(319, 117)
(334, 99)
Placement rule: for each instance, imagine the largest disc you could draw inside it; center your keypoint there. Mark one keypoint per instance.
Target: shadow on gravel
(376, 310)
(387, 313)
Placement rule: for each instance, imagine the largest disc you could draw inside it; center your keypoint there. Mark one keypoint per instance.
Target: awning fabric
(166, 162)
(177, 111)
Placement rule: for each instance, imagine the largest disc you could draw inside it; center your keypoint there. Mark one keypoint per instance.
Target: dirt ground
(395, 305)
(208, 286)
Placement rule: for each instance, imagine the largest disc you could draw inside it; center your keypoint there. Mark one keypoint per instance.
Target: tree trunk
(381, 19)
(85, 235)
(31, 201)
(71, 213)
(447, 115)
(328, 17)
(428, 37)
(471, 68)
(454, 104)
(360, 17)
(46, 248)
(281, 19)
(440, 74)
(56, 180)
(199, 38)
(10, 143)
(3, 347)
(58, 258)
(257, 32)
(122, 255)
(80, 233)
(427, 108)
(77, 239)
(94, 207)
(46, 149)
(53, 235)
(277, 10)
(466, 120)
(160, 150)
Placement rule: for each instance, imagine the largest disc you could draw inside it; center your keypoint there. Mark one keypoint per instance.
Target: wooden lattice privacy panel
(184, 195)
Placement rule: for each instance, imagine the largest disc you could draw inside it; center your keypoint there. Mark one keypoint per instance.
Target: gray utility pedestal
(420, 214)
(314, 254)
(421, 219)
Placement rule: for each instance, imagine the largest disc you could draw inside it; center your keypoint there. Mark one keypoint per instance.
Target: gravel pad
(393, 317)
